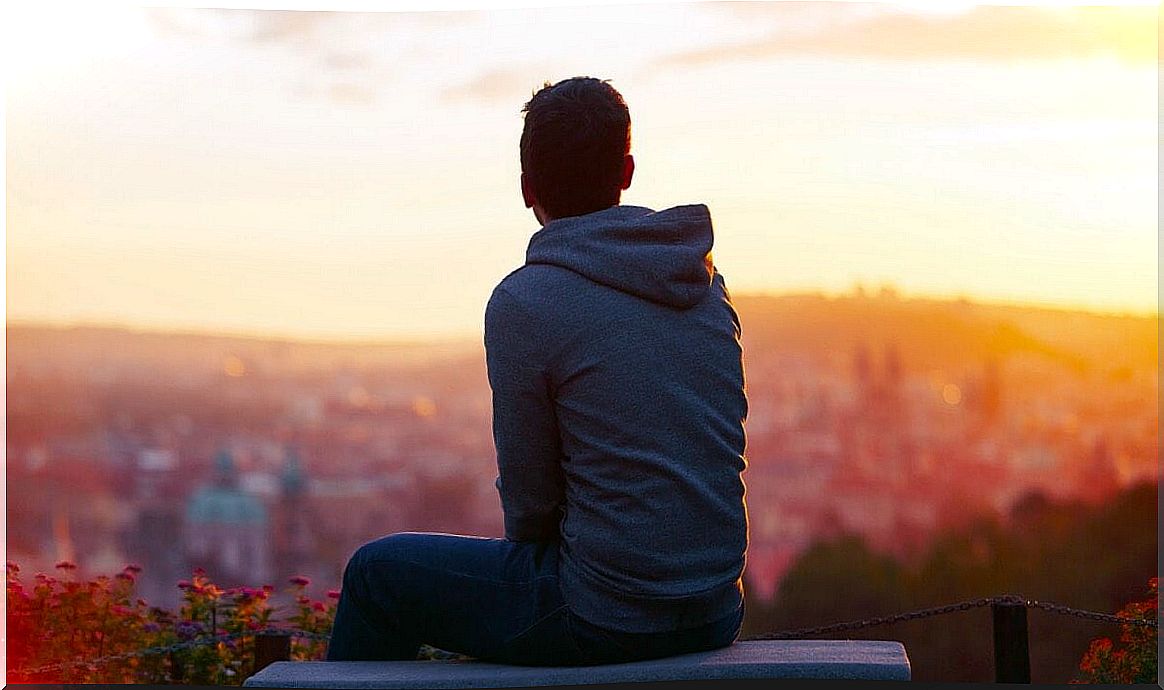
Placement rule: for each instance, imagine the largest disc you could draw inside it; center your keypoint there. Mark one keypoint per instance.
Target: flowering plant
(63, 630)
(1134, 659)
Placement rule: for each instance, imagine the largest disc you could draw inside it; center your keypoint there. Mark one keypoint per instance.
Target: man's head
(575, 149)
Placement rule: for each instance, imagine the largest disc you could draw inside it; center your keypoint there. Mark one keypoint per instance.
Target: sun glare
(40, 39)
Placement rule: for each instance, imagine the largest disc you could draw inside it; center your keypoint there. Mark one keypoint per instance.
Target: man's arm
(525, 428)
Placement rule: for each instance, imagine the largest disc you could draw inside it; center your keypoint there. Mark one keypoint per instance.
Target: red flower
(333, 594)
(67, 565)
(300, 580)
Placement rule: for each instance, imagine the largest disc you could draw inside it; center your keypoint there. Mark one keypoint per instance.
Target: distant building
(294, 524)
(152, 492)
(226, 529)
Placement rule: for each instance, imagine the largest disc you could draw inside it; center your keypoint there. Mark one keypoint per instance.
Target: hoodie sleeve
(525, 428)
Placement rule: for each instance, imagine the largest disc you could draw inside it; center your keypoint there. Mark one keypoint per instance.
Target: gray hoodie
(618, 416)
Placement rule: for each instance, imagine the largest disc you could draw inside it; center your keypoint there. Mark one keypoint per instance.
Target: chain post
(271, 647)
(177, 667)
(1012, 657)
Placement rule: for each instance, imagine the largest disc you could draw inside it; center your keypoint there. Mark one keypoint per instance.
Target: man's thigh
(488, 598)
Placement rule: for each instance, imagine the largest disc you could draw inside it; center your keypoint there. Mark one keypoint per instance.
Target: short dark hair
(575, 138)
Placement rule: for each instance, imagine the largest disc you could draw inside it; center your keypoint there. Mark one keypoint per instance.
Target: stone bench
(824, 659)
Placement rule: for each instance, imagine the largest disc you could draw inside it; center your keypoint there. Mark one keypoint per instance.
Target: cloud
(345, 58)
(510, 85)
(242, 26)
(983, 33)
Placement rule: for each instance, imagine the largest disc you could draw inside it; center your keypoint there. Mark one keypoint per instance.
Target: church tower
(293, 527)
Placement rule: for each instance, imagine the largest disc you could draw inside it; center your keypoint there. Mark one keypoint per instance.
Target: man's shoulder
(534, 284)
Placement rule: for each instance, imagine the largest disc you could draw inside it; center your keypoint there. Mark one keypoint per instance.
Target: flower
(333, 594)
(66, 565)
(183, 584)
(300, 580)
(132, 568)
(188, 629)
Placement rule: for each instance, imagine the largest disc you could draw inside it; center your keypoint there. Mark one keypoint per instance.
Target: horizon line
(462, 339)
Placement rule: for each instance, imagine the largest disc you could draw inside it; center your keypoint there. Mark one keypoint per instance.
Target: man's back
(618, 416)
(614, 358)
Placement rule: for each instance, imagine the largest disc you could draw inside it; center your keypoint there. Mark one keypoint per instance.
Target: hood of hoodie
(661, 256)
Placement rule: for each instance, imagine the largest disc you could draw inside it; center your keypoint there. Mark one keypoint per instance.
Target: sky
(354, 175)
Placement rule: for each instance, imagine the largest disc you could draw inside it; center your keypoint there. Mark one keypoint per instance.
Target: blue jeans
(491, 599)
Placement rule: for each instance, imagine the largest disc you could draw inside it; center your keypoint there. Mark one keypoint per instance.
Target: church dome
(223, 502)
(216, 504)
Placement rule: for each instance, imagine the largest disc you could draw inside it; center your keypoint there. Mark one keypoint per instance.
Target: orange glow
(234, 367)
(935, 145)
(424, 407)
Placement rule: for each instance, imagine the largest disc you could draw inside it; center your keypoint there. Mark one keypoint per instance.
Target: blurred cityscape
(870, 414)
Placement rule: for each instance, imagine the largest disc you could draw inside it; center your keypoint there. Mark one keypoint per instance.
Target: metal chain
(1008, 599)
(871, 622)
(176, 647)
(149, 651)
(1092, 615)
(311, 635)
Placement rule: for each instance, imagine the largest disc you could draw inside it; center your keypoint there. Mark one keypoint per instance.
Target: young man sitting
(618, 418)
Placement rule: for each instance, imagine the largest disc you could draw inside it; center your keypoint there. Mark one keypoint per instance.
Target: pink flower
(300, 580)
(183, 584)
(318, 606)
(132, 568)
(333, 594)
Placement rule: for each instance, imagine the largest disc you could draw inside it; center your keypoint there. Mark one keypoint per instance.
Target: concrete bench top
(845, 659)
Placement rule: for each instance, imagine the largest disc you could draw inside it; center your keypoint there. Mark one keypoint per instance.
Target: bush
(1134, 659)
(98, 632)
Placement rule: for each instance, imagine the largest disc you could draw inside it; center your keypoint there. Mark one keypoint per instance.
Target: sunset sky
(355, 175)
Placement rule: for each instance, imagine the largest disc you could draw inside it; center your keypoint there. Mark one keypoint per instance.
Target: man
(618, 412)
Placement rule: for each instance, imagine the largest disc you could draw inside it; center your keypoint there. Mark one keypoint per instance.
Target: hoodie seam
(545, 367)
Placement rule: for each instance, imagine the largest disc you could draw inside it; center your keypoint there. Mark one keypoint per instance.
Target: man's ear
(527, 191)
(628, 170)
